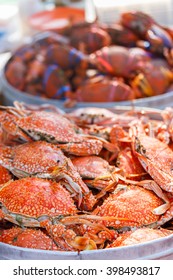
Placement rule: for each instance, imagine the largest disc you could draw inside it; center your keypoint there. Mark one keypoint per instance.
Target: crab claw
(67, 239)
(74, 183)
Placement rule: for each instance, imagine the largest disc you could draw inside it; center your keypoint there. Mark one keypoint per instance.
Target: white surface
(8, 26)
(109, 11)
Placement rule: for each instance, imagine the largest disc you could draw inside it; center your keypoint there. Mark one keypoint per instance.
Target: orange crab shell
(33, 158)
(132, 203)
(50, 126)
(130, 165)
(104, 90)
(89, 38)
(153, 80)
(28, 238)
(139, 236)
(5, 175)
(35, 197)
(15, 73)
(156, 157)
(46, 160)
(92, 166)
(66, 57)
(119, 61)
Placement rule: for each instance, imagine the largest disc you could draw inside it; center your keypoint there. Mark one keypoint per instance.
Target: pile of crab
(84, 180)
(92, 62)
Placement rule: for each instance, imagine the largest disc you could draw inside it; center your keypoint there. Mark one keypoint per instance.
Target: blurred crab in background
(94, 62)
(155, 37)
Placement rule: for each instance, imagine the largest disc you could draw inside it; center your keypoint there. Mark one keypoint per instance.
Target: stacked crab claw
(89, 179)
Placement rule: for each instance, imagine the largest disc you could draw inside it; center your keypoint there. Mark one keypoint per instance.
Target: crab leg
(89, 239)
(167, 216)
(84, 148)
(75, 183)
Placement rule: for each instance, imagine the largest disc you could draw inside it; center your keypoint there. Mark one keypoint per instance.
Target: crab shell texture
(5, 175)
(34, 158)
(28, 238)
(44, 160)
(51, 127)
(91, 167)
(130, 164)
(131, 203)
(150, 151)
(139, 236)
(25, 200)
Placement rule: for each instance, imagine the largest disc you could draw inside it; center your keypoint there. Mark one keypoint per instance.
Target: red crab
(130, 165)
(131, 202)
(154, 155)
(89, 38)
(95, 171)
(120, 61)
(28, 238)
(148, 29)
(5, 175)
(139, 236)
(51, 127)
(45, 160)
(102, 89)
(15, 73)
(35, 202)
(99, 117)
(66, 57)
(152, 80)
(120, 35)
(55, 83)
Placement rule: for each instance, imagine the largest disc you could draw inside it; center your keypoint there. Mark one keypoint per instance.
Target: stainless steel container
(159, 249)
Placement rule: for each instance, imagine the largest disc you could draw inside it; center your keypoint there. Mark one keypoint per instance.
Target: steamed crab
(96, 172)
(45, 160)
(154, 155)
(5, 175)
(28, 238)
(35, 202)
(136, 204)
(53, 128)
(156, 37)
(139, 236)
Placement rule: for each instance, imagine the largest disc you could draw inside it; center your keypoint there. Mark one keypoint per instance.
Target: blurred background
(15, 14)
(100, 24)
